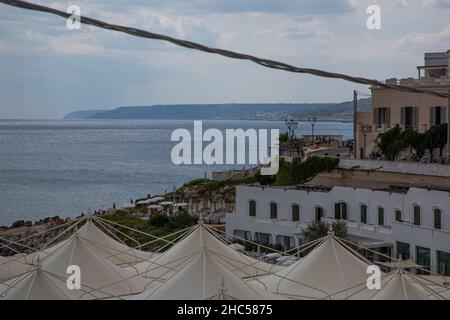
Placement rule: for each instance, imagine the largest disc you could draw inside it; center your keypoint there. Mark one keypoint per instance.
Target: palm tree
(320, 229)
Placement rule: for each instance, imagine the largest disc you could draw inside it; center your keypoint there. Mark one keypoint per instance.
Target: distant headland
(341, 112)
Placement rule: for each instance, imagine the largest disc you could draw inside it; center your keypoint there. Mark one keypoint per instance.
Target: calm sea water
(64, 168)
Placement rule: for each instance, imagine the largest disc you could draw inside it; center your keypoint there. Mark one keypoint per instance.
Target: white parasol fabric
(109, 248)
(36, 284)
(11, 267)
(206, 277)
(174, 259)
(400, 285)
(100, 278)
(328, 268)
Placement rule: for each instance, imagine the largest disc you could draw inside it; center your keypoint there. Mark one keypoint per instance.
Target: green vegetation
(317, 230)
(298, 172)
(395, 140)
(158, 225)
(283, 138)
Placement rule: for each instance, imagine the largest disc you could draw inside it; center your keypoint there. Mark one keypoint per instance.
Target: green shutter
(416, 118)
(380, 216)
(344, 210)
(337, 213)
(417, 215)
(402, 116)
(295, 213)
(437, 218)
(252, 208)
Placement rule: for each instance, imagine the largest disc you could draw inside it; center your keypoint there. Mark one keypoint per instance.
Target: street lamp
(292, 126)
(312, 121)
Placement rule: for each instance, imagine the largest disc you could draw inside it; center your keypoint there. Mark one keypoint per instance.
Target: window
(381, 116)
(252, 208)
(273, 210)
(380, 216)
(416, 215)
(318, 213)
(295, 212)
(340, 211)
(423, 259)
(409, 117)
(363, 213)
(443, 263)
(398, 215)
(437, 218)
(437, 115)
(403, 250)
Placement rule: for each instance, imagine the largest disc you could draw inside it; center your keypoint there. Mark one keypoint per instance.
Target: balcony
(358, 227)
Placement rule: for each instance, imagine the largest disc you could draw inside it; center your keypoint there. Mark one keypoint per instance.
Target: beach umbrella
(206, 277)
(174, 259)
(329, 268)
(11, 267)
(155, 207)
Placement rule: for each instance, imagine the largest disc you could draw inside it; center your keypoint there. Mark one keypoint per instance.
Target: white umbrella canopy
(109, 248)
(155, 206)
(166, 203)
(104, 245)
(11, 267)
(158, 198)
(36, 284)
(205, 277)
(147, 201)
(399, 285)
(180, 204)
(174, 259)
(100, 278)
(328, 268)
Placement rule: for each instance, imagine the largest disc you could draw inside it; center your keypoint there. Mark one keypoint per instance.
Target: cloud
(420, 40)
(289, 7)
(438, 4)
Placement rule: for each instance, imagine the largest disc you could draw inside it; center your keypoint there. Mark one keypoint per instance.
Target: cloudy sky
(47, 70)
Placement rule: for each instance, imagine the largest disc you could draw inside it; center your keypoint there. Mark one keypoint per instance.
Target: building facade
(412, 224)
(409, 110)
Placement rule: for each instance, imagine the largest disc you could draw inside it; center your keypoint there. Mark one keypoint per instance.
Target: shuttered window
(252, 208)
(295, 212)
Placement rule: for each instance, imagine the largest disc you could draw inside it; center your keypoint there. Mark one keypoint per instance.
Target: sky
(48, 70)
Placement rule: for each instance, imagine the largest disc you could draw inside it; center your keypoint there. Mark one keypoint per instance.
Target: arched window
(437, 218)
(380, 216)
(318, 213)
(363, 208)
(295, 212)
(398, 215)
(273, 210)
(252, 208)
(340, 211)
(416, 211)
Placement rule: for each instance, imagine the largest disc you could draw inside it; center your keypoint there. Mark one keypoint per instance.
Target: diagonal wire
(226, 53)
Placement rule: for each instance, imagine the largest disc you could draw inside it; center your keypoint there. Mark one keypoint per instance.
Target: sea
(65, 168)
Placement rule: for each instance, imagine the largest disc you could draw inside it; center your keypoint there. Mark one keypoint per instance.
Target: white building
(414, 224)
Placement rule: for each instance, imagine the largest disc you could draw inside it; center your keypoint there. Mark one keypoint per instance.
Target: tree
(320, 229)
(391, 143)
(159, 220)
(283, 138)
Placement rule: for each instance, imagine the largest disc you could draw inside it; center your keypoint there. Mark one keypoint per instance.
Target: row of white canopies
(200, 265)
